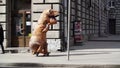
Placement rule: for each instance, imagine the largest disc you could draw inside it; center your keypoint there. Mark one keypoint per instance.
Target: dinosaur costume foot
(47, 54)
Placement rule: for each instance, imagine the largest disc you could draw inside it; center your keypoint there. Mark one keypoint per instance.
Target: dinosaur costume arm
(46, 28)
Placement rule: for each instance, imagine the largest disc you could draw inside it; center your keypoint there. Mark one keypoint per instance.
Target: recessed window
(111, 3)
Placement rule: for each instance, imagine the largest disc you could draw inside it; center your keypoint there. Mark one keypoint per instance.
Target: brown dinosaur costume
(38, 42)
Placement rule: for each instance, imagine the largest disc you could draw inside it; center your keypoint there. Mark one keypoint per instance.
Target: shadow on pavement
(97, 45)
(39, 65)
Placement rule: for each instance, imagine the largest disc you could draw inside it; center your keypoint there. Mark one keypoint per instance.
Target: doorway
(22, 29)
(112, 26)
(20, 23)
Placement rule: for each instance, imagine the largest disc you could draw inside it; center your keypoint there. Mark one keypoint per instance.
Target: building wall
(3, 19)
(117, 12)
(114, 13)
(93, 16)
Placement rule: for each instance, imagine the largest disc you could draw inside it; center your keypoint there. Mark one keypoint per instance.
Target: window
(88, 3)
(111, 4)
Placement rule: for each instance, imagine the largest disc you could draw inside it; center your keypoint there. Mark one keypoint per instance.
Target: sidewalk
(112, 38)
(93, 54)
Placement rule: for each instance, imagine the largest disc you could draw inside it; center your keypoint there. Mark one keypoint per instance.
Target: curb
(59, 65)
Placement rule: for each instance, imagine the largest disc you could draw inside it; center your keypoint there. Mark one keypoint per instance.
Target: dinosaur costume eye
(50, 10)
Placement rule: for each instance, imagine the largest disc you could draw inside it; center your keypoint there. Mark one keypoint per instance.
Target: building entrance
(112, 26)
(20, 22)
(22, 28)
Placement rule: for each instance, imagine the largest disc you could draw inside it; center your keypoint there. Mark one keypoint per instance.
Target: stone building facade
(114, 17)
(90, 15)
(3, 20)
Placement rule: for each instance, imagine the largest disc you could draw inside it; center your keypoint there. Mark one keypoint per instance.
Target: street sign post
(68, 33)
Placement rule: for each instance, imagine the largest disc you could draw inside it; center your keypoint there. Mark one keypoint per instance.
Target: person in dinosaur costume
(38, 42)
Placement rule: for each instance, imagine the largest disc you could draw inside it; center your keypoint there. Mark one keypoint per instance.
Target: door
(112, 26)
(21, 29)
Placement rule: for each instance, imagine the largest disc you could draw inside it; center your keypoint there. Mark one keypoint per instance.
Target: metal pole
(68, 38)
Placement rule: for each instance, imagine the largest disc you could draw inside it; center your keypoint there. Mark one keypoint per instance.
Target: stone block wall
(3, 19)
(53, 34)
